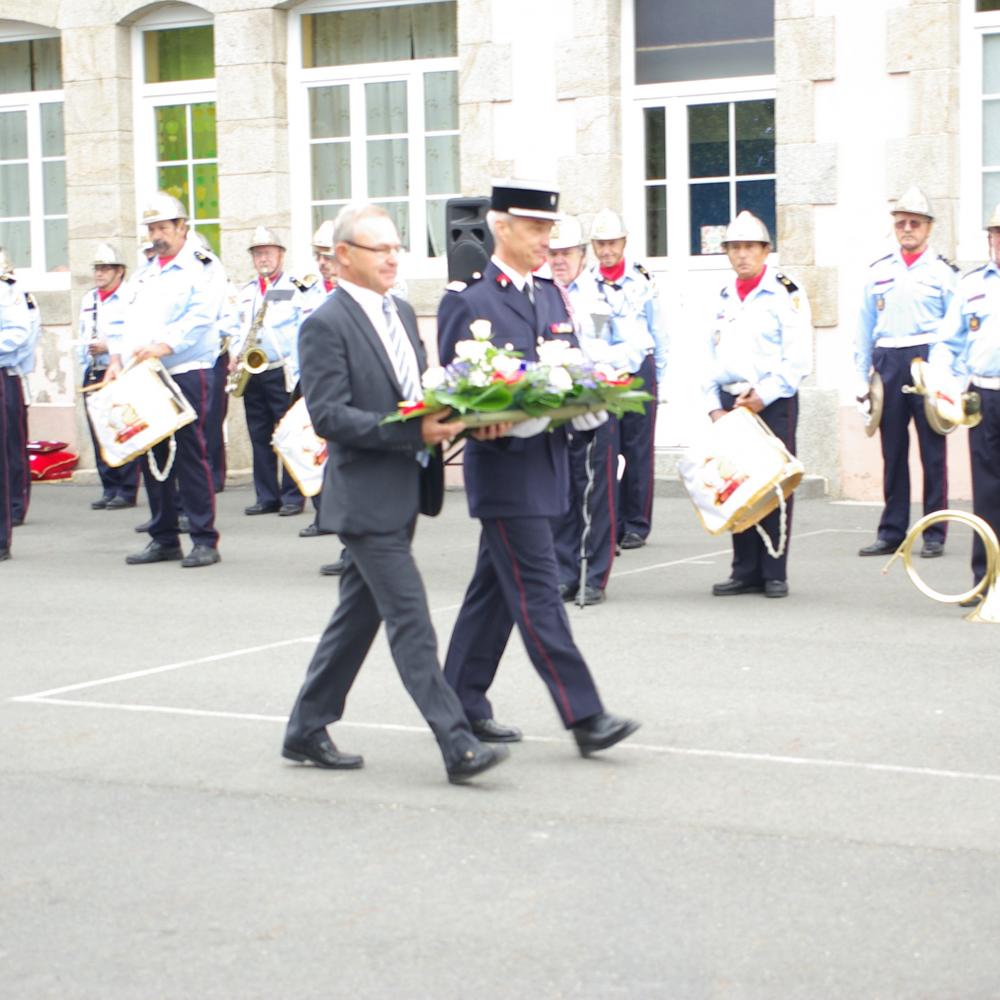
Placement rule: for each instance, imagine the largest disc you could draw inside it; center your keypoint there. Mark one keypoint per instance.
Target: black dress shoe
(321, 751)
(602, 731)
(567, 591)
(119, 503)
(592, 595)
(201, 555)
(155, 552)
(290, 509)
(880, 547)
(932, 549)
(4, 554)
(144, 527)
(261, 508)
(333, 569)
(775, 588)
(313, 531)
(733, 586)
(490, 731)
(101, 504)
(631, 540)
(474, 762)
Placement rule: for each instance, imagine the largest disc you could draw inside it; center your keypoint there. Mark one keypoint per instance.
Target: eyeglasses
(383, 251)
(910, 223)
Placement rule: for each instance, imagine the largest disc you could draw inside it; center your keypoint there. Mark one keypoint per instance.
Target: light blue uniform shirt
(15, 323)
(586, 302)
(902, 306)
(101, 321)
(278, 335)
(970, 330)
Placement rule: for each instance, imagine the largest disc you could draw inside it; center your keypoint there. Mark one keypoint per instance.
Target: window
(33, 225)
(990, 119)
(175, 129)
(380, 88)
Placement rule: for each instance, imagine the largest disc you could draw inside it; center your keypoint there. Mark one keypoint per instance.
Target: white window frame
(417, 264)
(36, 277)
(970, 239)
(149, 96)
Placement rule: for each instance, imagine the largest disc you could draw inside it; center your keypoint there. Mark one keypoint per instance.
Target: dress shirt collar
(517, 280)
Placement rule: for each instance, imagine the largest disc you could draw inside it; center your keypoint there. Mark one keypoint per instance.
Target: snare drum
(301, 451)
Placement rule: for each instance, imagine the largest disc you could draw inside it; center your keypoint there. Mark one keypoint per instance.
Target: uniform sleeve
(707, 364)
(85, 329)
(951, 348)
(865, 338)
(15, 323)
(796, 348)
(453, 319)
(654, 320)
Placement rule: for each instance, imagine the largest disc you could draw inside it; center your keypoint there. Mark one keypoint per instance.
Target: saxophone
(252, 359)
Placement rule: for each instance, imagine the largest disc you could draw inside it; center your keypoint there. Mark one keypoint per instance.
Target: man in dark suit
(360, 355)
(516, 484)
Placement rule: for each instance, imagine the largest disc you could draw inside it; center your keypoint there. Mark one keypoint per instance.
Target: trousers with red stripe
(516, 582)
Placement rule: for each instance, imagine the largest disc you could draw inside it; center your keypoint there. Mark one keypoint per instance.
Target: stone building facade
(624, 103)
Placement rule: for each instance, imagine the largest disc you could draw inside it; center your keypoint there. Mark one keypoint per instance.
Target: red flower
(508, 379)
(408, 408)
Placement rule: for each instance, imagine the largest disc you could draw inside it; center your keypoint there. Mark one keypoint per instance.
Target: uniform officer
(102, 318)
(15, 333)
(970, 345)
(172, 314)
(905, 296)
(516, 485)
(270, 307)
(587, 530)
(760, 350)
(628, 290)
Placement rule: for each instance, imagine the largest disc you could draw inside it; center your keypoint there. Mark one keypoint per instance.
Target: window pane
(203, 131)
(709, 216)
(654, 121)
(754, 137)
(53, 140)
(331, 171)
(329, 112)
(436, 227)
(440, 101)
(758, 197)
(399, 212)
(986, 5)
(388, 168)
(13, 190)
(656, 221)
(991, 192)
(442, 164)
(13, 135)
(384, 34)
(174, 180)
(171, 133)
(179, 54)
(15, 238)
(206, 191)
(56, 245)
(15, 67)
(34, 65)
(211, 232)
(321, 213)
(46, 64)
(991, 133)
(708, 140)
(991, 64)
(54, 186)
(385, 107)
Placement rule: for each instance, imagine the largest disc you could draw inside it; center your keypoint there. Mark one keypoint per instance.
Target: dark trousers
(381, 583)
(636, 440)
(984, 451)
(190, 479)
(752, 563)
(8, 385)
(516, 580)
(215, 417)
(593, 450)
(18, 468)
(116, 482)
(893, 364)
(266, 401)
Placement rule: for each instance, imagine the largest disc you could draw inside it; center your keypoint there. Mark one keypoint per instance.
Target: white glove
(589, 421)
(529, 428)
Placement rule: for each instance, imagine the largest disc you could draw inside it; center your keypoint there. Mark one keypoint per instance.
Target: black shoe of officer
(119, 503)
(290, 509)
(880, 547)
(334, 568)
(932, 549)
(101, 503)
(632, 540)
(321, 751)
(491, 731)
(775, 588)
(474, 762)
(155, 552)
(261, 508)
(732, 586)
(144, 527)
(201, 555)
(313, 531)
(567, 591)
(602, 731)
(592, 596)
(4, 554)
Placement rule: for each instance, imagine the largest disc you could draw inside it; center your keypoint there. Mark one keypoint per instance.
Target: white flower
(552, 352)
(472, 350)
(572, 356)
(560, 380)
(434, 378)
(505, 365)
(481, 329)
(479, 378)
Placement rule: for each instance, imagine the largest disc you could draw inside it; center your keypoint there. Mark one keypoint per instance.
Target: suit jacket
(512, 477)
(372, 479)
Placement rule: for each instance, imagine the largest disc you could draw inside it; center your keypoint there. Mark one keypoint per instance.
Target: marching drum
(301, 451)
(737, 472)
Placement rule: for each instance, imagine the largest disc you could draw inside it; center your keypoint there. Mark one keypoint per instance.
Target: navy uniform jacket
(512, 477)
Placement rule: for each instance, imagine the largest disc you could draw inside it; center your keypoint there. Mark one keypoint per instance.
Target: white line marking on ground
(733, 755)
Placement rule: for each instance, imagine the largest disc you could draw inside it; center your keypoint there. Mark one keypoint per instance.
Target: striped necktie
(402, 353)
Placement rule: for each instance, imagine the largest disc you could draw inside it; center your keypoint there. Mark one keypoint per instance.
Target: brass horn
(971, 404)
(988, 609)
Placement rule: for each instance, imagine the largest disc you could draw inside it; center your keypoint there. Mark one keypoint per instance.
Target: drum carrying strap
(775, 553)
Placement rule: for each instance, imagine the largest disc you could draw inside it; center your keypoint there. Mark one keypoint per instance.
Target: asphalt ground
(811, 808)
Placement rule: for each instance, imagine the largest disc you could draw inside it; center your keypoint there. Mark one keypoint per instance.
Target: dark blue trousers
(636, 440)
(8, 385)
(190, 476)
(121, 482)
(893, 364)
(266, 401)
(215, 417)
(568, 530)
(18, 468)
(516, 581)
(984, 451)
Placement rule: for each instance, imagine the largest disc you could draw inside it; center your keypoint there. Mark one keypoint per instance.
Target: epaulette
(30, 299)
(203, 257)
(643, 271)
(724, 293)
(9, 278)
(954, 267)
(789, 285)
(975, 270)
(879, 261)
(456, 286)
(304, 284)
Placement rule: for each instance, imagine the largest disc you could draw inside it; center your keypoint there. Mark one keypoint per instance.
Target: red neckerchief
(909, 259)
(614, 274)
(328, 285)
(166, 260)
(744, 286)
(105, 293)
(265, 283)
